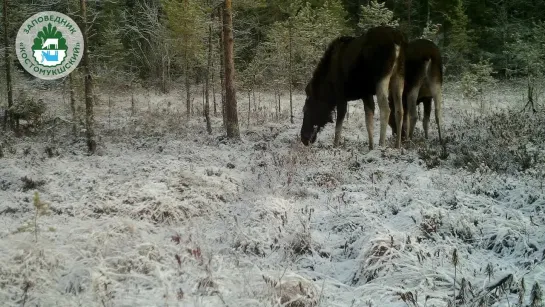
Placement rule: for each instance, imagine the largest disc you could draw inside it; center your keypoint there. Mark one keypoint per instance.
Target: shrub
(29, 109)
(507, 141)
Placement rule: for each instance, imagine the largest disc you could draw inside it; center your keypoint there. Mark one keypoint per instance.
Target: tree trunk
(89, 113)
(231, 115)
(279, 107)
(206, 82)
(212, 79)
(253, 96)
(9, 87)
(249, 106)
(530, 103)
(409, 8)
(187, 89)
(214, 96)
(163, 77)
(222, 66)
(275, 104)
(73, 105)
(290, 78)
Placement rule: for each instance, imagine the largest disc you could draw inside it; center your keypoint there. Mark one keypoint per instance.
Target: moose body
(357, 68)
(423, 82)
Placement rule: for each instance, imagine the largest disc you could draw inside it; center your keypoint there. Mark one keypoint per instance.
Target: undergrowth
(505, 142)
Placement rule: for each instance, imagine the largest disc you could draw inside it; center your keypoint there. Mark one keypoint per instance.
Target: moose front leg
(369, 107)
(341, 112)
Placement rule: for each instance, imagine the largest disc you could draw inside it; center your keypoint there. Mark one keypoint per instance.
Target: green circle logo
(49, 45)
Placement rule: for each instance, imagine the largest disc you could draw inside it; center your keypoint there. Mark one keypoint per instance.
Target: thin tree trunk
(73, 105)
(222, 66)
(253, 94)
(409, 5)
(133, 104)
(290, 79)
(206, 82)
(231, 115)
(212, 79)
(428, 13)
(275, 115)
(89, 113)
(530, 103)
(163, 77)
(249, 106)
(9, 87)
(279, 108)
(214, 96)
(109, 111)
(187, 90)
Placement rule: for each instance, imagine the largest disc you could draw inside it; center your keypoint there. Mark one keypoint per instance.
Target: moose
(355, 68)
(423, 82)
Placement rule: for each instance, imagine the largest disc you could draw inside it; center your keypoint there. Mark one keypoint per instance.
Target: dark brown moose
(357, 68)
(423, 82)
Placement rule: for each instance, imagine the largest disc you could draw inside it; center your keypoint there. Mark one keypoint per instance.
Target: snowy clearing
(166, 215)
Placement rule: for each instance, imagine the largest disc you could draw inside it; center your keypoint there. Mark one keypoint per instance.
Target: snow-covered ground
(166, 215)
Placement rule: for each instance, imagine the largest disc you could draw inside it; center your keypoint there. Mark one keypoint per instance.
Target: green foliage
(106, 39)
(460, 43)
(156, 38)
(308, 31)
(187, 23)
(526, 52)
(144, 38)
(431, 32)
(28, 108)
(476, 78)
(376, 14)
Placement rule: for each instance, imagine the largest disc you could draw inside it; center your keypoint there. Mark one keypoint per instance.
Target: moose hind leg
(396, 90)
(341, 112)
(369, 107)
(438, 100)
(384, 109)
(412, 114)
(426, 119)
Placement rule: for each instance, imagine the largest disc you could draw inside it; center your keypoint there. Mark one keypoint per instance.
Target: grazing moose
(357, 68)
(423, 81)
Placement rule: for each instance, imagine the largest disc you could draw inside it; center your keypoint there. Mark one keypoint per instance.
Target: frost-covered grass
(166, 215)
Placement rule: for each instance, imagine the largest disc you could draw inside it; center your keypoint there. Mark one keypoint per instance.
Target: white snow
(166, 215)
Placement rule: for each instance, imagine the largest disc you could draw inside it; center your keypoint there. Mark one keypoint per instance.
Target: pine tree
(89, 112)
(231, 112)
(187, 22)
(207, 80)
(376, 14)
(526, 56)
(293, 47)
(460, 41)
